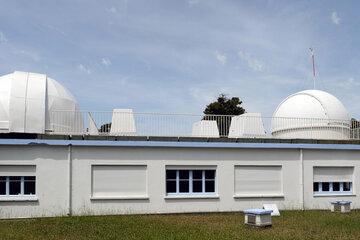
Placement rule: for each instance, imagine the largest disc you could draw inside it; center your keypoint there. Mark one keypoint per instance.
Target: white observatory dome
(35, 103)
(311, 114)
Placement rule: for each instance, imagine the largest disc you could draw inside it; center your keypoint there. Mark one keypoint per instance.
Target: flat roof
(171, 142)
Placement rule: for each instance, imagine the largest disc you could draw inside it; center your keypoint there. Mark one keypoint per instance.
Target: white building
(140, 174)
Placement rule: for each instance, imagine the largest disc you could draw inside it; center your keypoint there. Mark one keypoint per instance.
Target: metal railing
(127, 123)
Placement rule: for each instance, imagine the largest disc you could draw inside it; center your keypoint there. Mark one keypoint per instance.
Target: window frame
(331, 192)
(191, 192)
(22, 194)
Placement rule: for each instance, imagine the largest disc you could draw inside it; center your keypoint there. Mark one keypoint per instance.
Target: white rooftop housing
(311, 114)
(123, 123)
(247, 125)
(30, 101)
(205, 128)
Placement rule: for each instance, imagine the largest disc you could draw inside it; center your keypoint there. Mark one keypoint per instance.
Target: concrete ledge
(176, 139)
(259, 196)
(335, 195)
(18, 199)
(172, 144)
(192, 197)
(120, 198)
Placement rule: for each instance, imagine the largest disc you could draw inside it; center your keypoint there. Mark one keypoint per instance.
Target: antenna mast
(313, 66)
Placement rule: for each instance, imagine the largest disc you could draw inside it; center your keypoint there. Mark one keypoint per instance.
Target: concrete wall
(57, 166)
(157, 159)
(313, 158)
(51, 180)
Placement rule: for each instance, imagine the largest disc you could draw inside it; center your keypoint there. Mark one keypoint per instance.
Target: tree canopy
(225, 106)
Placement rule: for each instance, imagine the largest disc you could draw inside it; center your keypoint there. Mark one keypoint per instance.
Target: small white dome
(311, 114)
(31, 103)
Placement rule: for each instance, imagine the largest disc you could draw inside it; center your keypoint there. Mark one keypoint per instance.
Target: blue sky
(178, 55)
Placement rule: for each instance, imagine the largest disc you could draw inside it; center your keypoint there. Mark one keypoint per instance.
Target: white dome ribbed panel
(28, 102)
(312, 104)
(311, 114)
(5, 87)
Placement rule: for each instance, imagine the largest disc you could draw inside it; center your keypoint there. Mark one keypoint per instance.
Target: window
(332, 180)
(2, 185)
(332, 187)
(190, 182)
(17, 186)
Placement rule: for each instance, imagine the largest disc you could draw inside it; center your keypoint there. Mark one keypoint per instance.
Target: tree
(223, 106)
(105, 128)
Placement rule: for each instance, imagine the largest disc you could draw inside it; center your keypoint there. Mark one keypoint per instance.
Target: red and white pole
(313, 66)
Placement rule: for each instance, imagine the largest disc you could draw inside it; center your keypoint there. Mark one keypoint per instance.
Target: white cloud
(27, 54)
(349, 83)
(221, 57)
(204, 95)
(253, 63)
(335, 18)
(106, 62)
(120, 9)
(112, 9)
(193, 2)
(3, 38)
(83, 68)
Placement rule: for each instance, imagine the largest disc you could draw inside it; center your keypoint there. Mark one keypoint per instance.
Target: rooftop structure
(35, 103)
(27, 103)
(311, 114)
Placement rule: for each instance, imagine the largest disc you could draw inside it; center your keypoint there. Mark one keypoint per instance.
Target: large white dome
(311, 114)
(32, 102)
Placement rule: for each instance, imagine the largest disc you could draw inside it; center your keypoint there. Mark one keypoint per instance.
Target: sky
(176, 56)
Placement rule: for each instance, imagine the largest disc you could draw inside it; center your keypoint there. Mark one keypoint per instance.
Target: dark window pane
(170, 174)
(325, 186)
(197, 174)
(184, 174)
(209, 186)
(184, 186)
(197, 186)
(170, 186)
(210, 174)
(316, 187)
(347, 186)
(15, 178)
(31, 178)
(336, 186)
(29, 187)
(2, 179)
(15, 185)
(2, 187)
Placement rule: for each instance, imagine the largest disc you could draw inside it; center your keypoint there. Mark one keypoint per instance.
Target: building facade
(42, 178)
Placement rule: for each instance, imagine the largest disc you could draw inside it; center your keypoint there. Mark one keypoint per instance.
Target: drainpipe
(302, 180)
(70, 179)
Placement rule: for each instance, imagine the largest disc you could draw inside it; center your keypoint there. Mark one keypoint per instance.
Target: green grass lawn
(291, 225)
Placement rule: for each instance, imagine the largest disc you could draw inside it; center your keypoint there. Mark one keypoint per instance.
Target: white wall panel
(258, 180)
(17, 103)
(17, 170)
(27, 103)
(333, 174)
(119, 180)
(35, 103)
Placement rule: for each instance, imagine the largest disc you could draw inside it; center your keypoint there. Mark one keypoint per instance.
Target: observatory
(123, 162)
(29, 100)
(311, 114)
